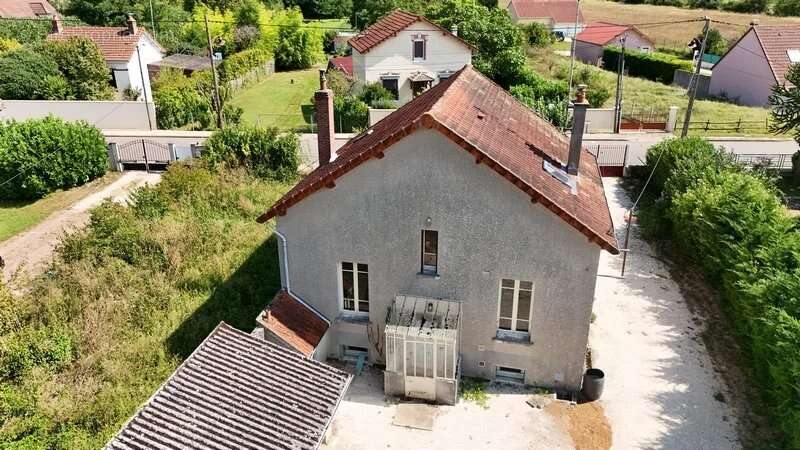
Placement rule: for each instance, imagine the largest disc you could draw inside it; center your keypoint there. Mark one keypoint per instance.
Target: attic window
(559, 174)
(794, 55)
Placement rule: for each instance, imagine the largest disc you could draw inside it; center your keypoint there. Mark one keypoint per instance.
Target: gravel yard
(661, 388)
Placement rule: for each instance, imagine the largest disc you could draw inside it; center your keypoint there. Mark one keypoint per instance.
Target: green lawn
(641, 94)
(16, 217)
(332, 23)
(283, 100)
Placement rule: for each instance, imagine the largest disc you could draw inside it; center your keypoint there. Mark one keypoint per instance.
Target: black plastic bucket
(593, 381)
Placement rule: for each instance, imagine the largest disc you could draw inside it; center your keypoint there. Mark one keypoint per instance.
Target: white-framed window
(354, 279)
(418, 49)
(429, 263)
(515, 305)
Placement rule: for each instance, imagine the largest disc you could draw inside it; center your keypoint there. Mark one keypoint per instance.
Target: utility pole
(217, 100)
(618, 98)
(572, 49)
(144, 87)
(696, 79)
(153, 21)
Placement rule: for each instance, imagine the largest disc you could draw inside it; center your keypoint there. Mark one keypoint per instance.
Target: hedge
(654, 66)
(731, 223)
(262, 151)
(39, 156)
(239, 64)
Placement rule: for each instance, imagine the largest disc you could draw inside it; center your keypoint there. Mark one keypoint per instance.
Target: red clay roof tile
(499, 131)
(561, 11)
(343, 63)
(26, 8)
(776, 40)
(602, 33)
(294, 323)
(115, 43)
(388, 26)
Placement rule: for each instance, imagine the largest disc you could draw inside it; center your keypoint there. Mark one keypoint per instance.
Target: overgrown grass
(18, 216)
(283, 100)
(126, 300)
(641, 94)
(474, 390)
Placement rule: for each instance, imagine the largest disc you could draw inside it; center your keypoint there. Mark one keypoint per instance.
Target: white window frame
(515, 308)
(356, 299)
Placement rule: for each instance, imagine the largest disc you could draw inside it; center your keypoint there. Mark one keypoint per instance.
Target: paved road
(638, 143)
(27, 254)
(660, 384)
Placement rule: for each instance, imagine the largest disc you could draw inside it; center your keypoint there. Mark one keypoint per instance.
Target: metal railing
(764, 160)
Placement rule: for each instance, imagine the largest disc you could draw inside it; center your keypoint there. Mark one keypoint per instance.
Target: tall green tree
(84, 68)
(299, 45)
(27, 75)
(785, 102)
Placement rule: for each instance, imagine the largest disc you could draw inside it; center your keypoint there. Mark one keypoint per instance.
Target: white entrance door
(419, 370)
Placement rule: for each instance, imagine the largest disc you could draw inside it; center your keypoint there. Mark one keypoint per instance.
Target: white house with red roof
(590, 42)
(758, 61)
(560, 16)
(407, 53)
(21, 9)
(460, 235)
(127, 51)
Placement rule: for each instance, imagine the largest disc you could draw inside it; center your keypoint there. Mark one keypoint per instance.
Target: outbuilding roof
(237, 391)
(602, 33)
(25, 8)
(561, 11)
(115, 43)
(294, 323)
(388, 26)
(499, 131)
(343, 63)
(192, 63)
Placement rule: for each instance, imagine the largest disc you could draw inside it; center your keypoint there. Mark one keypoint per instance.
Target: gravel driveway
(28, 253)
(661, 390)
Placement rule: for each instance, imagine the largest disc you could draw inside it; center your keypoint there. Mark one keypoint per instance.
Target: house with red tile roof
(590, 42)
(759, 60)
(127, 51)
(459, 235)
(343, 64)
(19, 9)
(560, 16)
(407, 53)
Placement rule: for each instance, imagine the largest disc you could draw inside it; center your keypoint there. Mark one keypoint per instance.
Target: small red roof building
(388, 26)
(294, 323)
(603, 33)
(559, 11)
(343, 63)
(26, 9)
(114, 43)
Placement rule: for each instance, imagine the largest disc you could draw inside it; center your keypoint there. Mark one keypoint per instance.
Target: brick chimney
(323, 104)
(132, 28)
(578, 124)
(57, 25)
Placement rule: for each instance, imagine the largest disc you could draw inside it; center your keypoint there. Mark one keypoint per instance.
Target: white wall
(743, 74)
(394, 56)
(599, 120)
(121, 115)
(150, 53)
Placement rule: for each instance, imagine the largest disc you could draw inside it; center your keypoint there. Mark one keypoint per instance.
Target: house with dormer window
(460, 235)
(407, 54)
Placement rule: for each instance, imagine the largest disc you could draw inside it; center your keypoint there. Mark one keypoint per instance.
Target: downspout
(288, 282)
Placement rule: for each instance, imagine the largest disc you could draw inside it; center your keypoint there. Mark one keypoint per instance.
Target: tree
(786, 8)
(83, 66)
(374, 92)
(220, 26)
(785, 102)
(26, 75)
(717, 44)
(299, 46)
(538, 35)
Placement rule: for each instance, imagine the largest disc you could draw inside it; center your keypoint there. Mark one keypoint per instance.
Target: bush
(553, 110)
(786, 8)
(25, 31)
(178, 101)
(374, 92)
(350, 114)
(7, 44)
(80, 62)
(25, 75)
(42, 155)
(730, 221)
(653, 66)
(264, 152)
(538, 35)
(241, 63)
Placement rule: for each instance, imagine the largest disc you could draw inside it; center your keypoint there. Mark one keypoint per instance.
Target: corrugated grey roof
(237, 391)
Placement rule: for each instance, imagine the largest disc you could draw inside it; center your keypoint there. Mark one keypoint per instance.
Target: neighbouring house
(342, 63)
(340, 40)
(557, 15)
(408, 54)
(590, 42)
(127, 51)
(187, 64)
(22, 9)
(458, 236)
(238, 391)
(759, 60)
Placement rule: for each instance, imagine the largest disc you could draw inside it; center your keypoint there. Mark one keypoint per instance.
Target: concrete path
(661, 390)
(28, 253)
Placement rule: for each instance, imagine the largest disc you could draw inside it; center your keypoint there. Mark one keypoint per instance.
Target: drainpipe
(288, 282)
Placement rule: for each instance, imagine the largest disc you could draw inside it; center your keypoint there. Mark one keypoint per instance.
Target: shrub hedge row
(239, 64)
(654, 66)
(731, 222)
(264, 152)
(39, 156)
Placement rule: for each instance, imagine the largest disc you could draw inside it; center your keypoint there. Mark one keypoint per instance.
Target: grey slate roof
(237, 391)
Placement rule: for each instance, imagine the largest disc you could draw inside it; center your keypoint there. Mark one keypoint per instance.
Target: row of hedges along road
(653, 66)
(39, 156)
(730, 221)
